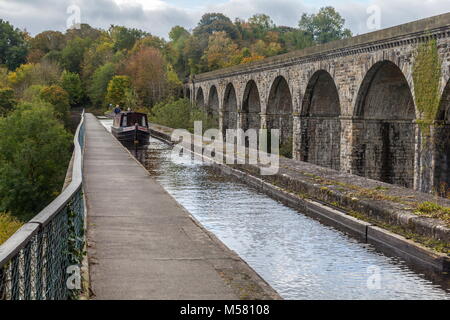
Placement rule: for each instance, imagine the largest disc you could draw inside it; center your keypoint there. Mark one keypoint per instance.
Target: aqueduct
(349, 105)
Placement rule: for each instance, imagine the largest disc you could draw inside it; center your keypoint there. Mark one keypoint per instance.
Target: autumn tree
(85, 31)
(98, 54)
(117, 89)
(58, 98)
(216, 22)
(43, 43)
(146, 69)
(221, 52)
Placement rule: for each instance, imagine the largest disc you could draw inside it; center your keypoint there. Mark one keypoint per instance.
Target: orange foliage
(146, 69)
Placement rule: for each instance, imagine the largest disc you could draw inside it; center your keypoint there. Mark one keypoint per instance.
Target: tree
(325, 26)
(84, 32)
(34, 154)
(48, 41)
(99, 84)
(175, 50)
(43, 43)
(147, 71)
(117, 89)
(98, 54)
(297, 39)
(45, 73)
(71, 83)
(216, 22)
(59, 99)
(7, 101)
(125, 38)
(178, 32)
(13, 47)
(260, 25)
(222, 52)
(3, 77)
(73, 54)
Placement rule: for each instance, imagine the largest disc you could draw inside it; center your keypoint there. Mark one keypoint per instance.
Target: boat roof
(132, 112)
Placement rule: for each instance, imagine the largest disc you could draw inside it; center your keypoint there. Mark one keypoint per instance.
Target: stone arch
(213, 106)
(200, 99)
(441, 142)
(384, 132)
(279, 111)
(251, 107)
(230, 108)
(320, 123)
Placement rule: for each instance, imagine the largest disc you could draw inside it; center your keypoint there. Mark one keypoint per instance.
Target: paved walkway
(142, 244)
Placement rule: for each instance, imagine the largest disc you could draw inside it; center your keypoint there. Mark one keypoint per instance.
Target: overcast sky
(158, 16)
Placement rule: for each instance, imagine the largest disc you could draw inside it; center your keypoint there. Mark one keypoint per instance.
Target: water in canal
(298, 256)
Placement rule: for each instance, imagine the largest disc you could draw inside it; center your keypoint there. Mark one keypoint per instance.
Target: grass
(8, 226)
(433, 210)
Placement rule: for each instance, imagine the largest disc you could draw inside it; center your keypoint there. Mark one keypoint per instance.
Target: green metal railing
(34, 262)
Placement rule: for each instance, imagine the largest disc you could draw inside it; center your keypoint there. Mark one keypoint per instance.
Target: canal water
(298, 256)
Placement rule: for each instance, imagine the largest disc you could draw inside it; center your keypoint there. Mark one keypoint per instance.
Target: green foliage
(125, 38)
(286, 148)
(98, 86)
(215, 22)
(173, 114)
(71, 83)
(426, 78)
(33, 93)
(325, 26)
(34, 153)
(73, 54)
(117, 89)
(131, 99)
(7, 101)
(180, 114)
(8, 226)
(13, 47)
(59, 99)
(433, 210)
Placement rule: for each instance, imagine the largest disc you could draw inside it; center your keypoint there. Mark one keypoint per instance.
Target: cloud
(159, 16)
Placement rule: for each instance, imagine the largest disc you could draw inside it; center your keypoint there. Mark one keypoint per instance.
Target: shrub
(7, 101)
(180, 114)
(71, 83)
(8, 226)
(34, 153)
(117, 89)
(99, 84)
(59, 99)
(174, 114)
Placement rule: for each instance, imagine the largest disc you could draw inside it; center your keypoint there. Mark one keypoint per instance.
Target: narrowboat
(131, 127)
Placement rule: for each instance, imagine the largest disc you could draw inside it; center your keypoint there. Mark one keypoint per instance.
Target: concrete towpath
(142, 244)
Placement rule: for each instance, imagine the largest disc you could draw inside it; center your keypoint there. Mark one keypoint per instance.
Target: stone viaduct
(349, 105)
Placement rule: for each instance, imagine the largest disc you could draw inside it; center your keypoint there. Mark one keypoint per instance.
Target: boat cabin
(129, 119)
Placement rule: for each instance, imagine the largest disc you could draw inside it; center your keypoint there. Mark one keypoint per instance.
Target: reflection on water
(296, 255)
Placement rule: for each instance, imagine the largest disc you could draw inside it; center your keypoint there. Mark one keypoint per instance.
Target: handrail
(31, 231)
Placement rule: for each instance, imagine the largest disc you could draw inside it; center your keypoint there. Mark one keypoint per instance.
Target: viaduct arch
(348, 105)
